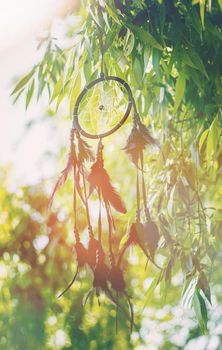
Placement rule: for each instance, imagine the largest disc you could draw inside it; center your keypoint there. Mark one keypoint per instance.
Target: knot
(72, 132)
(90, 230)
(147, 214)
(136, 119)
(99, 155)
(111, 259)
(137, 215)
(76, 234)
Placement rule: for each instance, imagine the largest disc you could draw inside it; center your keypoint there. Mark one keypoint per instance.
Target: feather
(81, 254)
(62, 178)
(148, 139)
(100, 276)
(134, 145)
(99, 178)
(84, 151)
(116, 279)
(137, 141)
(131, 240)
(70, 284)
(151, 237)
(146, 236)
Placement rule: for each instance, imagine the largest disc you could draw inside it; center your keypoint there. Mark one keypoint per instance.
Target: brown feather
(99, 178)
(116, 279)
(149, 140)
(62, 178)
(137, 141)
(84, 151)
(134, 145)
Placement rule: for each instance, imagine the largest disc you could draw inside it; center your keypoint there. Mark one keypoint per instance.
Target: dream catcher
(101, 109)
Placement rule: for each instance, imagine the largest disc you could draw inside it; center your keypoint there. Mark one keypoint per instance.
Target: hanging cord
(99, 218)
(137, 195)
(147, 214)
(90, 230)
(73, 156)
(110, 224)
(87, 206)
(107, 206)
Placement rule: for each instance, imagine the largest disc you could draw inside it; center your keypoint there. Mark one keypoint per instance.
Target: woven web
(102, 107)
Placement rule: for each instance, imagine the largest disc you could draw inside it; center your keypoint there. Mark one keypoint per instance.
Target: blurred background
(36, 256)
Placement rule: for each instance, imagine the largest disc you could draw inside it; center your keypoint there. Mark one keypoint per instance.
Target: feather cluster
(137, 141)
(64, 174)
(145, 235)
(99, 178)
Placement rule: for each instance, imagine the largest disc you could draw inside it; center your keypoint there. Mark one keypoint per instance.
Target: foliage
(170, 54)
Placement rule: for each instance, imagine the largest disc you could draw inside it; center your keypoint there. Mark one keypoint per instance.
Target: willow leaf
(23, 81)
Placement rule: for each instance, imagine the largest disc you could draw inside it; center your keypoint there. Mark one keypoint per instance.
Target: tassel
(100, 179)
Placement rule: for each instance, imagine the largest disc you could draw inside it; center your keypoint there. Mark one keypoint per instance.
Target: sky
(21, 22)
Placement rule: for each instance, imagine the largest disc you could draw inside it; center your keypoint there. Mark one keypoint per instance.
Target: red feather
(99, 178)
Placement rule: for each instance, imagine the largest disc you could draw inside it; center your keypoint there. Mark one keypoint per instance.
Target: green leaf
(179, 91)
(57, 89)
(112, 14)
(74, 92)
(138, 71)
(23, 81)
(200, 309)
(203, 138)
(202, 11)
(156, 61)
(151, 288)
(188, 292)
(29, 94)
(68, 67)
(59, 100)
(212, 139)
(192, 59)
(145, 36)
(129, 43)
(171, 201)
(204, 286)
(18, 95)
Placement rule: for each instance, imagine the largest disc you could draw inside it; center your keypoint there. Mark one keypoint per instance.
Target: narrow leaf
(180, 89)
(152, 288)
(22, 82)
(145, 36)
(29, 94)
(203, 137)
(212, 139)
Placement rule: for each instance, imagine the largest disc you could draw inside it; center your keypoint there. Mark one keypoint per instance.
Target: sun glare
(20, 18)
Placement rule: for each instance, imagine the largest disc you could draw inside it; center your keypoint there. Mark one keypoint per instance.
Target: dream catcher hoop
(101, 109)
(102, 105)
